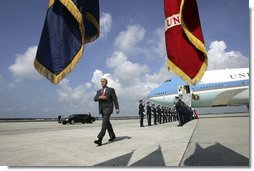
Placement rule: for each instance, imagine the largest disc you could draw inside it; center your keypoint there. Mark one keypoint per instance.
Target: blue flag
(69, 24)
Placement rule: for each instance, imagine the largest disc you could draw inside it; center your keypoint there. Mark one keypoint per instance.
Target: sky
(130, 53)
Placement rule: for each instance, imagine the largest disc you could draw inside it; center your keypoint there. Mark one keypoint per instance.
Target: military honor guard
(164, 114)
(159, 113)
(153, 109)
(168, 114)
(141, 112)
(148, 113)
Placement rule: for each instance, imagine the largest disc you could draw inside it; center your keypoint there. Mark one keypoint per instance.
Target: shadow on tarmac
(122, 138)
(153, 159)
(215, 155)
(118, 161)
(117, 139)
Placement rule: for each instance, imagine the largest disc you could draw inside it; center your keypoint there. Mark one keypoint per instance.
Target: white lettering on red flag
(172, 21)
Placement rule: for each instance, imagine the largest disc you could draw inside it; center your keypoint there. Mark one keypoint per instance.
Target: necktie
(102, 91)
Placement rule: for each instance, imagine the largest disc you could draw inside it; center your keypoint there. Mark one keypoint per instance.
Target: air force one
(229, 87)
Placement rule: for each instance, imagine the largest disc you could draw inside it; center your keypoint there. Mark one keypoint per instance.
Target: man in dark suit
(106, 97)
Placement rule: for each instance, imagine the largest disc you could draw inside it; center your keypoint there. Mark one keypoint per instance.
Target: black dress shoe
(98, 142)
(112, 139)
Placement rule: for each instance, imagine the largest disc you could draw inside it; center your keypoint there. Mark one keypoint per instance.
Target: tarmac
(211, 140)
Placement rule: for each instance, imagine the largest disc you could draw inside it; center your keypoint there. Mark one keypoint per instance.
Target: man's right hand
(103, 97)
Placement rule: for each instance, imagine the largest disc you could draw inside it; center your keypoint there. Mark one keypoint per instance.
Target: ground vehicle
(75, 118)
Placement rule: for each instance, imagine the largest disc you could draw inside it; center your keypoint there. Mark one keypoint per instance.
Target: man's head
(104, 82)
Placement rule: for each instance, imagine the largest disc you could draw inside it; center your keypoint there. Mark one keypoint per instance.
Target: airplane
(227, 87)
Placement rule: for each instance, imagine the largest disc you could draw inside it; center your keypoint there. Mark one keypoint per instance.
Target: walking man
(106, 96)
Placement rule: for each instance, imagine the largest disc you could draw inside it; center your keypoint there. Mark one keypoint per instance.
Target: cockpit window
(167, 81)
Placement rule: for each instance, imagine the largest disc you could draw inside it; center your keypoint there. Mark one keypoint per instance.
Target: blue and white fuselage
(227, 87)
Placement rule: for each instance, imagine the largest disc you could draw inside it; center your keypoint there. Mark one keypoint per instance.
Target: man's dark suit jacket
(106, 106)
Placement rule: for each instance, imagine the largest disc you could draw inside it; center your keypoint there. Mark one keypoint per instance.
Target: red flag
(185, 46)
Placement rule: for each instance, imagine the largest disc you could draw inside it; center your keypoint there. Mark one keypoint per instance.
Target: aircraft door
(187, 89)
(180, 90)
(185, 94)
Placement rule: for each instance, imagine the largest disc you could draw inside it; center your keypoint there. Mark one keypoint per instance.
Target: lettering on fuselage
(240, 75)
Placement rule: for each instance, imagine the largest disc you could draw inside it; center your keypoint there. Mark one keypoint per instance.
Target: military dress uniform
(148, 113)
(154, 114)
(159, 113)
(141, 113)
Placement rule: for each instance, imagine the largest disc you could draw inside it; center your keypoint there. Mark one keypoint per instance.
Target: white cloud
(78, 99)
(132, 41)
(126, 71)
(128, 39)
(97, 75)
(105, 24)
(158, 43)
(218, 58)
(157, 78)
(88, 85)
(23, 67)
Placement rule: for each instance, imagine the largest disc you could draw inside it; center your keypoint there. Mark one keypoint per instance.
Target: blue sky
(130, 52)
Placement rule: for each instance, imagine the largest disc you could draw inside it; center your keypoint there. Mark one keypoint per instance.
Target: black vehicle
(83, 118)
